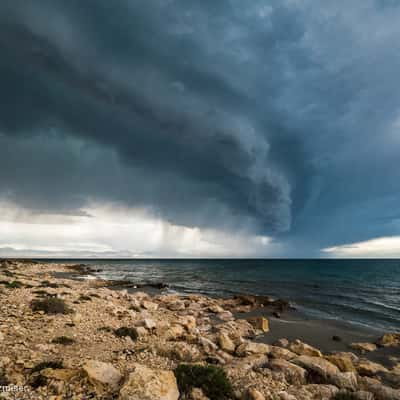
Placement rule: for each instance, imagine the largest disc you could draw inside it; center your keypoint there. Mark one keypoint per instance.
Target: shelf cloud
(275, 120)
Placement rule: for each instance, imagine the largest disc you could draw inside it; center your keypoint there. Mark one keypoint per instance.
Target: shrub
(125, 331)
(47, 364)
(211, 379)
(345, 396)
(105, 329)
(49, 284)
(36, 379)
(64, 340)
(83, 297)
(14, 285)
(3, 379)
(50, 305)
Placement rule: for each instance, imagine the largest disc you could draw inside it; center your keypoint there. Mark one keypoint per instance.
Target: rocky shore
(63, 338)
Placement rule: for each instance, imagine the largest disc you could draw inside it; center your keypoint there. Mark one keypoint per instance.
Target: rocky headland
(66, 338)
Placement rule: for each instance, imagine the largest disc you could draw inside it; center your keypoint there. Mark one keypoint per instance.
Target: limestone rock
(188, 322)
(254, 394)
(364, 347)
(369, 368)
(216, 309)
(380, 392)
(293, 373)
(249, 348)
(149, 305)
(342, 361)
(280, 352)
(363, 395)
(304, 349)
(389, 340)
(175, 332)
(283, 342)
(317, 365)
(208, 346)
(259, 323)
(237, 329)
(344, 380)
(103, 376)
(178, 305)
(183, 351)
(225, 316)
(148, 384)
(226, 343)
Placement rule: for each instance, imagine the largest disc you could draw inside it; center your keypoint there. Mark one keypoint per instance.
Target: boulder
(294, 374)
(141, 331)
(389, 340)
(369, 368)
(183, 351)
(280, 352)
(317, 366)
(342, 361)
(363, 347)
(178, 305)
(381, 392)
(188, 322)
(304, 349)
(283, 342)
(344, 380)
(208, 345)
(103, 376)
(314, 392)
(216, 309)
(363, 395)
(248, 348)
(226, 343)
(237, 329)
(392, 378)
(254, 394)
(225, 316)
(148, 384)
(259, 323)
(149, 305)
(148, 323)
(175, 332)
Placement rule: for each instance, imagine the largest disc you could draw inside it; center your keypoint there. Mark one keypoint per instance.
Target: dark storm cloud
(275, 116)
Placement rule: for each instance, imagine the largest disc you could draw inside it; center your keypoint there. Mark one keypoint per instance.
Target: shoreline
(258, 342)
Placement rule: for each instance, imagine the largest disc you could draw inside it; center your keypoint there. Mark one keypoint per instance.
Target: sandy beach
(64, 337)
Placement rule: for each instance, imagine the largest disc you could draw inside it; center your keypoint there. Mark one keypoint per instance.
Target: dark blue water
(359, 291)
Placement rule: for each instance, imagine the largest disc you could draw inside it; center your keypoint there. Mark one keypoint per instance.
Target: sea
(359, 291)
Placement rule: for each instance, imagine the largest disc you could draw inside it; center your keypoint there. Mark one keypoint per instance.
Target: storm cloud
(280, 118)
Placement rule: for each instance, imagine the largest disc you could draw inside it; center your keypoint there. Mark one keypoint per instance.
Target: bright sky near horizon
(176, 128)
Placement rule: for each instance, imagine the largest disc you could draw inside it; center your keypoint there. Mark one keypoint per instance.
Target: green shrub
(14, 285)
(50, 305)
(211, 379)
(64, 340)
(125, 331)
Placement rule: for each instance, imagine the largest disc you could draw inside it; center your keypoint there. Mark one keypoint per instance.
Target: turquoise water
(359, 291)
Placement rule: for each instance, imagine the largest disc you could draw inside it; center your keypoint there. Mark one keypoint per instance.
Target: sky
(181, 128)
